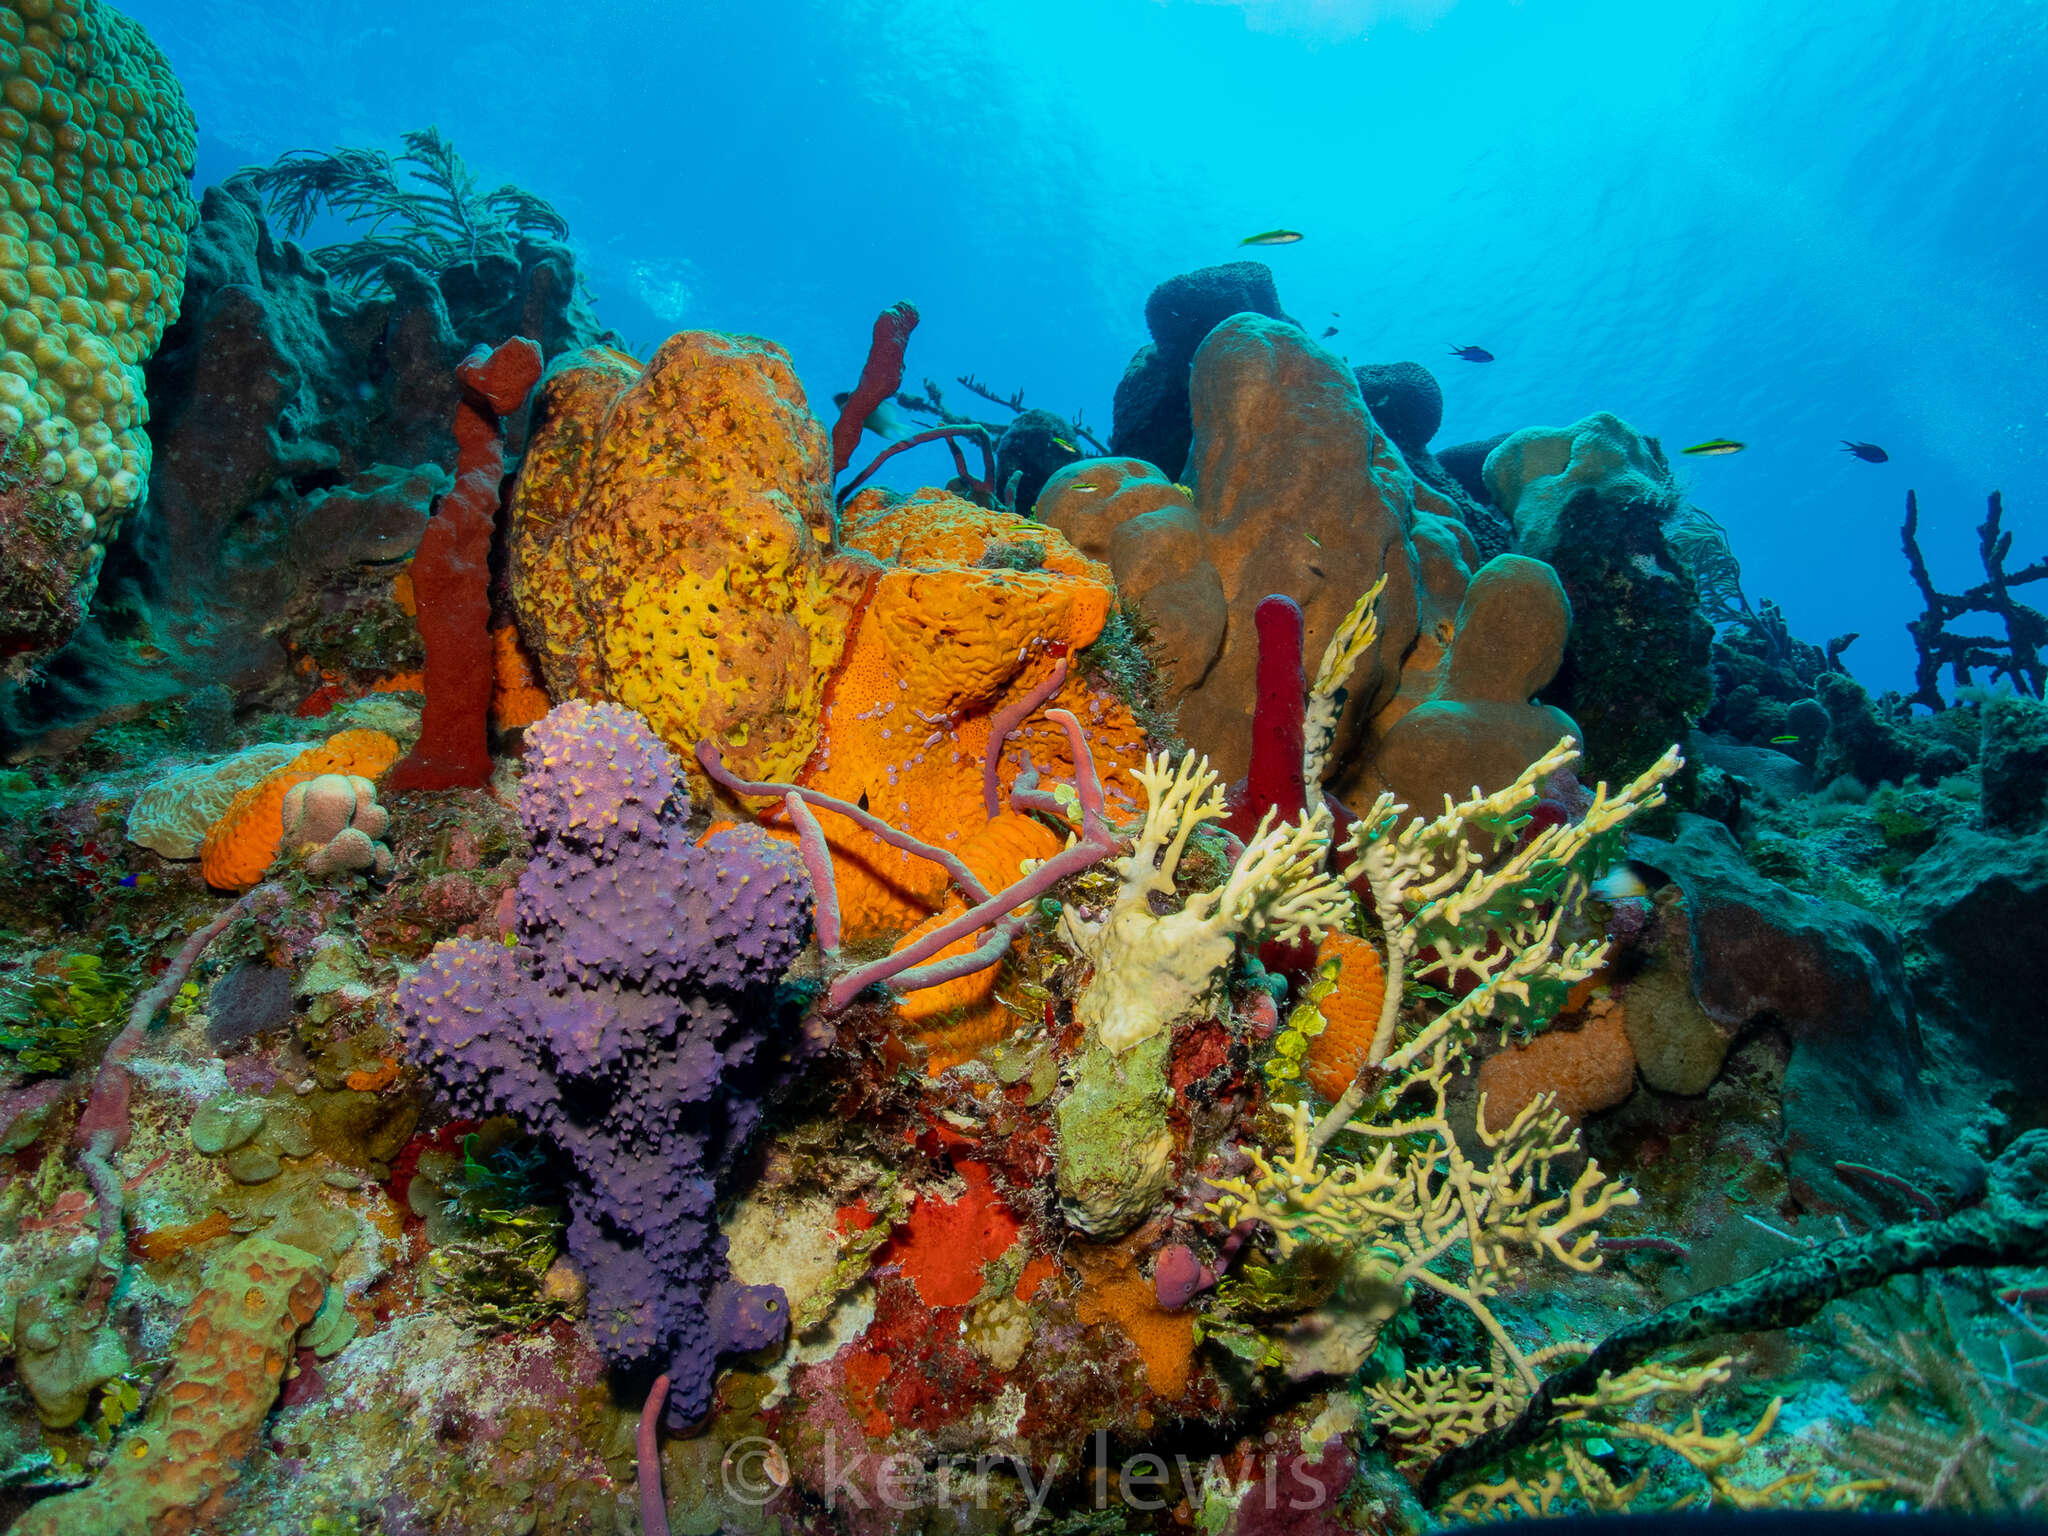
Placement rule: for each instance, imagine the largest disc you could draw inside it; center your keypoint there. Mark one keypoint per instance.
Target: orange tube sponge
(1350, 1015)
(1588, 1068)
(242, 844)
(174, 1472)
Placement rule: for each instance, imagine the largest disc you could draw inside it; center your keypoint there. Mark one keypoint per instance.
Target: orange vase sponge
(1350, 1015)
(1588, 1068)
(942, 646)
(246, 839)
(671, 547)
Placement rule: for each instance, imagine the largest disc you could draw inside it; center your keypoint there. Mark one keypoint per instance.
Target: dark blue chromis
(1472, 354)
(1869, 453)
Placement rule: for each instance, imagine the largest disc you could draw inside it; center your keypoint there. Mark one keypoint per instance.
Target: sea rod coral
(632, 1023)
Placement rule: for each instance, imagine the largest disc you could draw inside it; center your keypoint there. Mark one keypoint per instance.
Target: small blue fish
(1869, 453)
(1329, 332)
(1472, 354)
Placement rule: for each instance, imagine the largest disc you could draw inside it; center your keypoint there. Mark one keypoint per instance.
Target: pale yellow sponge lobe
(96, 153)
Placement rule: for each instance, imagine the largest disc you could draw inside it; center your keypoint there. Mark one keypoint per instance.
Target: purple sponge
(634, 1025)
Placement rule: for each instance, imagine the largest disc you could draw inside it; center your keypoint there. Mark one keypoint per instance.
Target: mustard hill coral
(333, 822)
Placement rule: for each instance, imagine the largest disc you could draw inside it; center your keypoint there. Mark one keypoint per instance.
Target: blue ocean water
(1787, 223)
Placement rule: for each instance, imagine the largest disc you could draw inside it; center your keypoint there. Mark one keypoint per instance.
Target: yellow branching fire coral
(1469, 897)
(1484, 902)
(246, 839)
(96, 153)
(670, 547)
(1152, 968)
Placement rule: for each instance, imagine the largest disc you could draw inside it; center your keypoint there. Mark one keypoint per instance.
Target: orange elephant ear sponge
(245, 841)
(1350, 1015)
(1587, 1068)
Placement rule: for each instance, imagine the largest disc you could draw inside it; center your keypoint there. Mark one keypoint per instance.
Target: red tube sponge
(880, 377)
(451, 577)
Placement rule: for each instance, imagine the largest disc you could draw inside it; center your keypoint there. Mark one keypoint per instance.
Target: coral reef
(692, 581)
(855, 1033)
(1266, 400)
(299, 436)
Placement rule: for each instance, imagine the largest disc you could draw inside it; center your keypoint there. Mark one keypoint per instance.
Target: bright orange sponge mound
(244, 842)
(1350, 1015)
(1587, 1068)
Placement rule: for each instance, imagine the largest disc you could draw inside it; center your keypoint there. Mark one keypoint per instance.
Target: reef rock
(301, 435)
(1979, 902)
(2014, 762)
(1832, 977)
(1030, 451)
(1590, 500)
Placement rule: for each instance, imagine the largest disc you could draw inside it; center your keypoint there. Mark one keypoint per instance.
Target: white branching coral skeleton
(1152, 968)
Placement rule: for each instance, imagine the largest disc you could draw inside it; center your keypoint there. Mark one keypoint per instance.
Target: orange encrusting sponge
(1350, 1014)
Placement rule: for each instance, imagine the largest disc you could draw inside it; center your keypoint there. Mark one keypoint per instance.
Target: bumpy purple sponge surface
(633, 1025)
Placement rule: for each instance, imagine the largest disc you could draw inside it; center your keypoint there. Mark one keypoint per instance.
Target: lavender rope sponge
(633, 1023)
